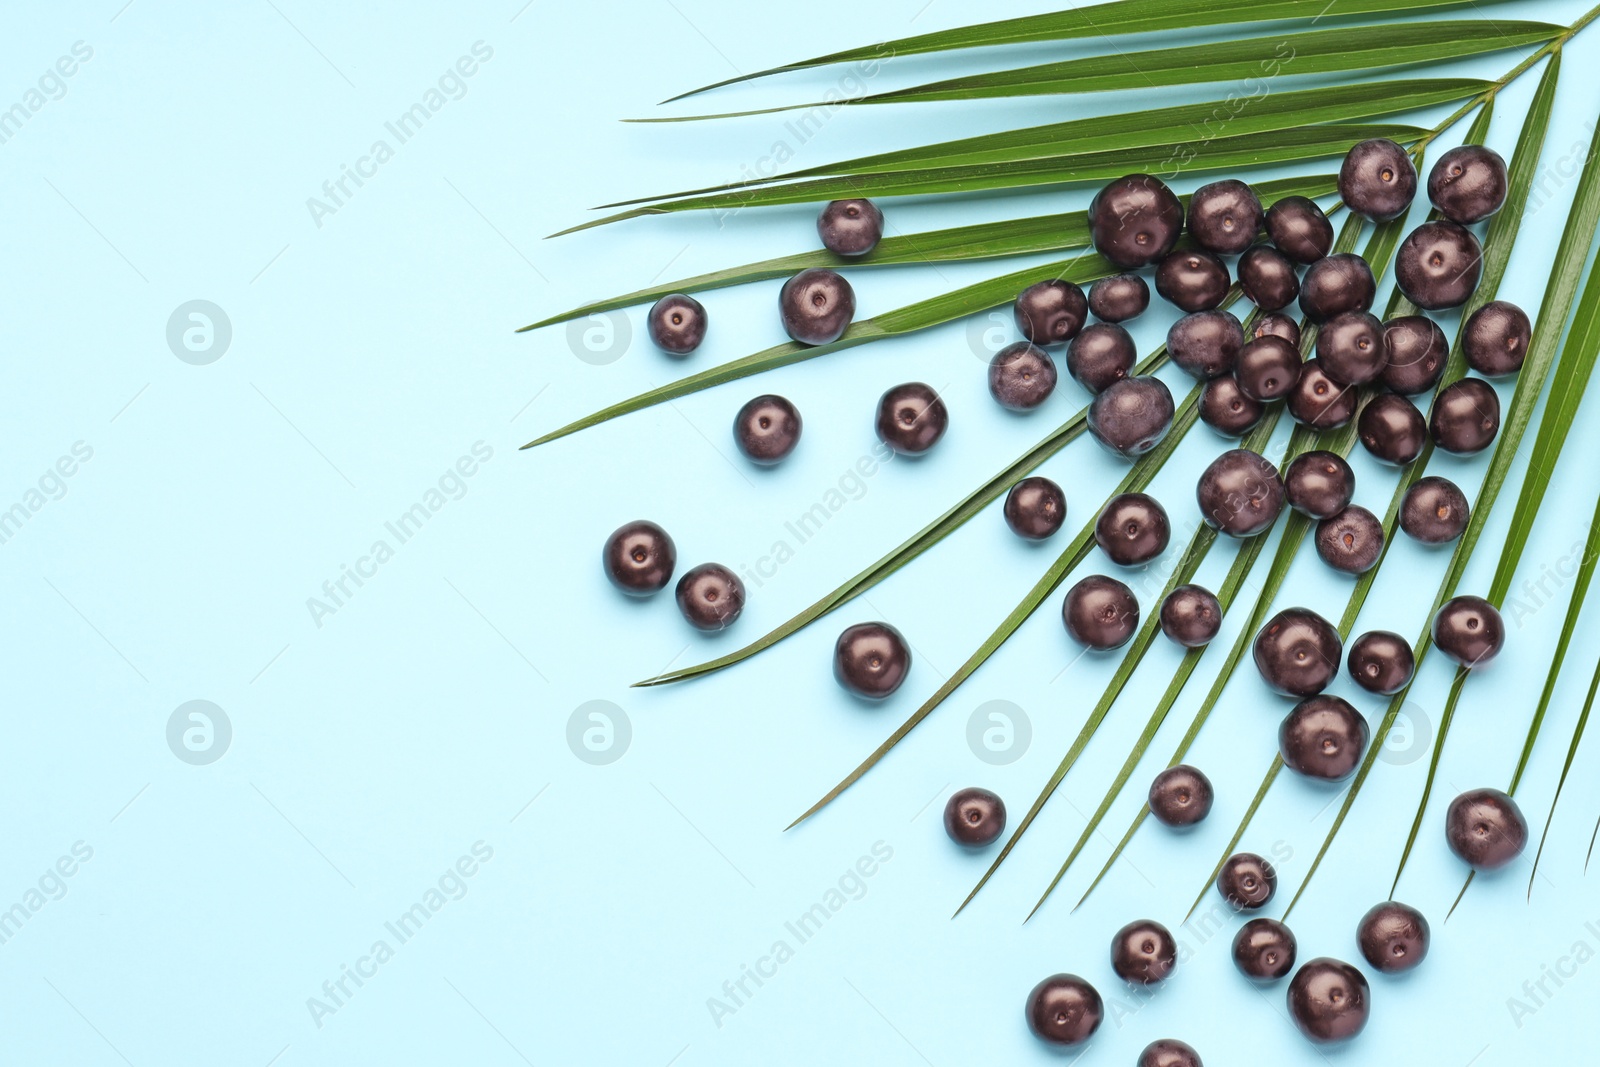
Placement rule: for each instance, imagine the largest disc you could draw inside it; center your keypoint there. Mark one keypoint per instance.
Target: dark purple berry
(1351, 541)
(1131, 416)
(1465, 417)
(1135, 220)
(1434, 510)
(1064, 1010)
(1323, 737)
(1414, 350)
(1267, 278)
(911, 418)
(1381, 662)
(1225, 216)
(1191, 615)
(1393, 937)
(974, 817)
(1320, 402)
(1469, 183)
(1298, 652)
(1319, 484)
(1240, 493)
(1268, 368)
(1299, 229)
(1143, 952)
(1051, 312)
(1225, 408)
(1495, 339)
(677, 324)
(1350, 347)
(817, 306)
(1132, 529)
(1100, 612)
(1278, 326)
(1485, 829)
(1247, 881)
(1035, 508)
(1438, 265)
(710, 596)
(1021, 376)
(767, 429)
(871, 660)
(1193, 280)
(850, 227)
(1264, 950)
(1392, 429)
(639, 557)
(1205, 344)
(1119, 298)
(1336, 284)
(1469, 631)
(1378, 180)
(1329, 1001)
(1180, 796)
(1101, 354)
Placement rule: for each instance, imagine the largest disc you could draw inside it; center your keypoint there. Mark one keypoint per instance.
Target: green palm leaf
(1065, 232)
(1102, 20)
(1336, 51)
(1222, 153)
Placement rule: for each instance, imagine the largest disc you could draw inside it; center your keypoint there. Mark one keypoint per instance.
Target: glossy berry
(1119, 298)
(974, 817)
(850, 227)
(677, 324)
(1329, 1000)
(1132, 529)
(1225, 408)
(1485, 829)
(1035, 508)
(1393, 937)
(1267, 278)
(1264, 950)
(767, 429)
(1350, 347)
(871, 659)
(1298, 652)
(1469, 630)
(1193, 280)
(1336, 284)
(1135, 220)
(1247, 881)
(1180, 796)
(1101, 354)
(1320, 402)
(1469, 183)
(1169, 1052)
(1143, 952)
(1350, 541)
(1414, 353)
(1191, 615)
(1100, 612)
(1268, 368)
(639, 558)
(1434, 511)
(1299, 229)
(1240, 493)
(1378, 180)
(1465, 416)
(1438, 265)
(816, 306)
(1495, 339)
(1205, 344)
(1225, 216)
(710, 596)
(1021, 376)
(1064, 1010)
(1319, 484)
(1278, 326)
(1392, 429)
(911, 418)
(1381, 662)
(1322, 737)
(1131, 416)
(1051, 312)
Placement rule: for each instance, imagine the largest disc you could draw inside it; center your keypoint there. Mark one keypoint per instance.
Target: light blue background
(430, 711)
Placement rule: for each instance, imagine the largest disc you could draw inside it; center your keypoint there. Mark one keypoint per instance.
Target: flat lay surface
(321, 745)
